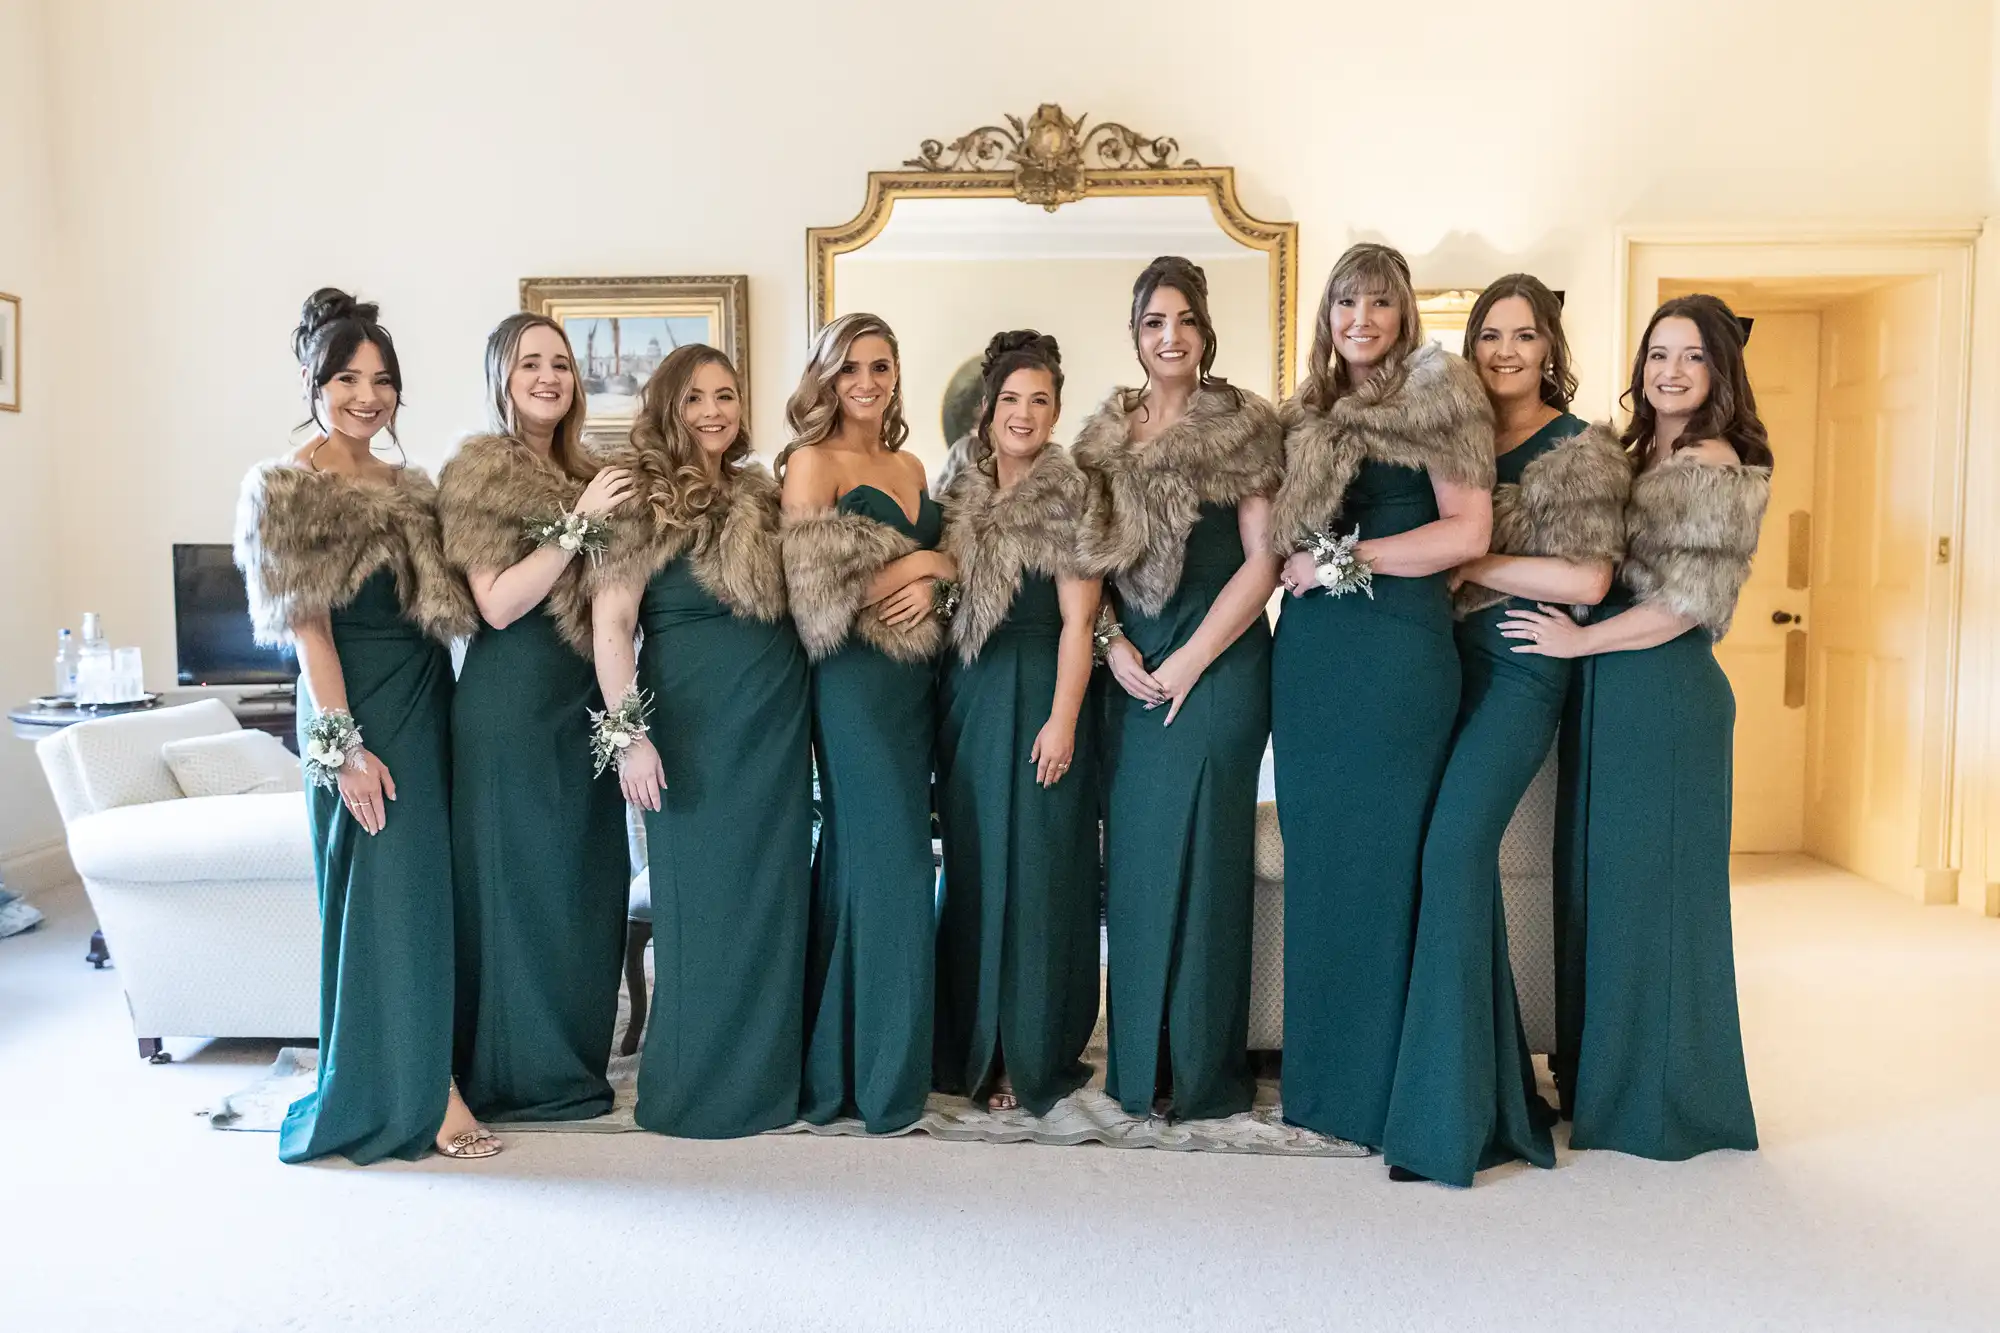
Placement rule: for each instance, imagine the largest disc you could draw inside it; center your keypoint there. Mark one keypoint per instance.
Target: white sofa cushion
(233, 763)
(199, 839)
(119, 757)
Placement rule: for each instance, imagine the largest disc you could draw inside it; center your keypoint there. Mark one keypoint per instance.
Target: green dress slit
(385, 902)
(539, 874)
(1017, 939)
(871, 955)
(1364, 695)
(1180, 829)
(1464, 1094)
(728, 861)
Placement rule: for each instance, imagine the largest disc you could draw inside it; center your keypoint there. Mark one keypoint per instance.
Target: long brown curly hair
(1730, 412)
(665, 456)
(813, 413)
(1366, 268)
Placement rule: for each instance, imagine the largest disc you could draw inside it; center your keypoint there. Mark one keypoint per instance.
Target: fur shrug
(1141, 501)
(487, 493)
(1438, 420)
(1568, 505)
(306, 541)
(830, 557)
(1691, 529)
(997, 536)
(732, 547)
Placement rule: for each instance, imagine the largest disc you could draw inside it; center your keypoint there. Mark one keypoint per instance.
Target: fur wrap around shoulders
(732, 548)
(488, 492)
(1690, 532)
(997, 536)
(830, 557)
(1568, 505)
(306, 541)
(1142, 500)
(1438, 419)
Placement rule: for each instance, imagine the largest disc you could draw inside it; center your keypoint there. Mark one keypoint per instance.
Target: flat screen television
(212, 643)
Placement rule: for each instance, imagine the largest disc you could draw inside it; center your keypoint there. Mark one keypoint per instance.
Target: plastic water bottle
(65, 666)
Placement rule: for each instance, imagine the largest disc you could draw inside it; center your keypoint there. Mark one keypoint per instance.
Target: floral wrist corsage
(1104, 633)
(574, 533)
(944, 598)
(332, 742)
(1339, 567)
(613, 730)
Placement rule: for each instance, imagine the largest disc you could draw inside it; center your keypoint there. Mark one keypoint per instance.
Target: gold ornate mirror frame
(1051, 160)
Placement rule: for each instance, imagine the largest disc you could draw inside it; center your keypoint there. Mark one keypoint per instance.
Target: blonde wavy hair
(664, 456)
(503, 349)
(813, 413)
(1364, 270)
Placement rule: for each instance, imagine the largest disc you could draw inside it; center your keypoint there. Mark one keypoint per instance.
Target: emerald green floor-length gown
(540, 876)
(729, 861)
(385, 901)
(1180, 826)
(1017, 938)
(1464, 1093)
(871, 957)
(1364, 695)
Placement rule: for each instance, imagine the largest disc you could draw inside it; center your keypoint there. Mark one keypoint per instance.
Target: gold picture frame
(10, 352)
(1444, 313)
(621, 328)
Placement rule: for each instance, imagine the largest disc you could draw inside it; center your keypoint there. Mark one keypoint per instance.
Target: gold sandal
(472, 1144)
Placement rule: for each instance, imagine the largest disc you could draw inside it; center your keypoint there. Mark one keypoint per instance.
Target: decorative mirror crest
(1051, 154)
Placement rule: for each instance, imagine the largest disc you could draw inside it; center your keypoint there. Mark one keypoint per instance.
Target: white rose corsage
(1339, 567)
(584, 534)
(614, 730)
(332, 742)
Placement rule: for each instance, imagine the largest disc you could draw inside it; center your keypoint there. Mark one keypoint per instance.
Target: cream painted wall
(214, 161)
(944, 311)
(30, 545)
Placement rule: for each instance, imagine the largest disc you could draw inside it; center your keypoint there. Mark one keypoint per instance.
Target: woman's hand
(1055, 746)
(1177, 677)
(1300, 574)
(909, 604)
(1546, 632)
(1129, 670)
(366, 789)
(641, 775)
(611, 487)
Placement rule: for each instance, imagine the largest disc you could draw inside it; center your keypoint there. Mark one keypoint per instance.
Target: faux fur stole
(830, 557)
(1568, 505)
(1438, 420)
(1690, 531)
(306, 541)
(487, 492)
(732, 548)
(1141, 501)
(997, 536)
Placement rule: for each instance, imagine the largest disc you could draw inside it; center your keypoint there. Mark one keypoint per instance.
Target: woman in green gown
(1464, 1094)
(341, 558)
(1017, 798)
(861, 569)
(539, 870)
(1649, 1050)
(1390, 444)
(723, 774)
(1177, 478)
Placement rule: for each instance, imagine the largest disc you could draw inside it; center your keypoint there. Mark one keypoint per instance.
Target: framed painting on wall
(622, 328)
(10, 353)
(1444, 314)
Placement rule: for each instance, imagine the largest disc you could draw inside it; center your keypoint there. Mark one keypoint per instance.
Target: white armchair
(208, 903)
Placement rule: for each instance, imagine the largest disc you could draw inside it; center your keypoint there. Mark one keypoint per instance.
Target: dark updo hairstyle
(1730, 412)
(1184, 276)
(1558, 383)
(332, 328)
(1017, 349)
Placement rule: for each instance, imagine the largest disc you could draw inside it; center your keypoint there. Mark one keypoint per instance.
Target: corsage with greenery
(944, 598)
(1339, 567)
(332, 742)
(1104, 633)
(613, 730)
(575, 533)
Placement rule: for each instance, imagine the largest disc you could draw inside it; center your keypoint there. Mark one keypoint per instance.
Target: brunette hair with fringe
(1364, 269)
(1729, 413)
(503, 350)
(1186, 277)
(1017, 349)
(1558, 380)
(666, 458)
(813, 411)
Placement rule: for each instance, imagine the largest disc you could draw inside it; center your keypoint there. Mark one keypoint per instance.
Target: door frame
(1647, 256)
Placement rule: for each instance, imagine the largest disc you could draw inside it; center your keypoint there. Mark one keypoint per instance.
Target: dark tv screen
(212, 640)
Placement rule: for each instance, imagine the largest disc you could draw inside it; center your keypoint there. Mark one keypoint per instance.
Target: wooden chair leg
(637, 934)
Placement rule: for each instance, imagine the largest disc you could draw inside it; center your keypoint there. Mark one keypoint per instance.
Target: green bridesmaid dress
(1464, 1095)
(539, 871)
(385, 901)
(1017, 940)
(871, 955)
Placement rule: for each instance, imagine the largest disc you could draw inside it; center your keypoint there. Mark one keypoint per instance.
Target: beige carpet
(1873, 1028)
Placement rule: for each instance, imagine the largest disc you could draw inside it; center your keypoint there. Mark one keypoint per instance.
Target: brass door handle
(1783, 618)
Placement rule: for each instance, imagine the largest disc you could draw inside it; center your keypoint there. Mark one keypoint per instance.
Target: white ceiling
(1139, 227)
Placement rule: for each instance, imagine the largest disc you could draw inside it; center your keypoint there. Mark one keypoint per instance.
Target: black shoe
(1403, 1175)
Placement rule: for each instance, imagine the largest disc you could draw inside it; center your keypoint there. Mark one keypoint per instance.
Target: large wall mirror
(1044, 224)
